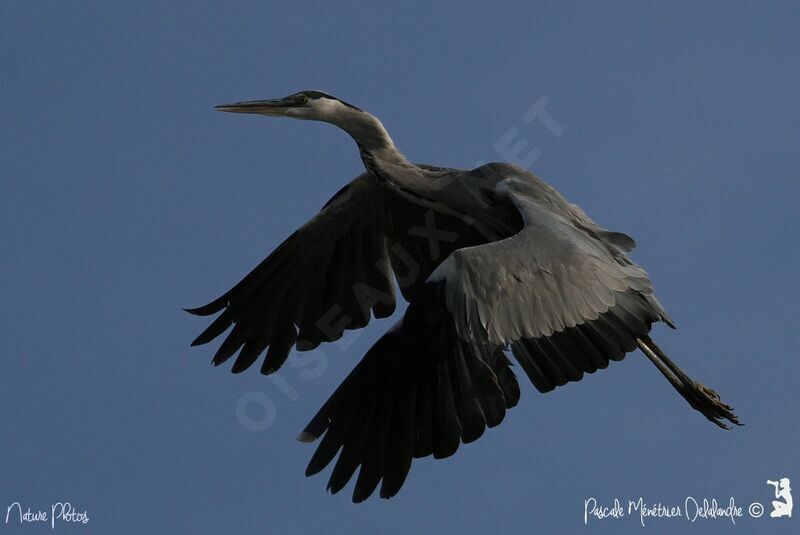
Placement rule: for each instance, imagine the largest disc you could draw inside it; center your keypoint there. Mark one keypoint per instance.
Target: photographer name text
(692, 509)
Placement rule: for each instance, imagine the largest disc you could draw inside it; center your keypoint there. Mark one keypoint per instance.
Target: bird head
(365, 128)
(308, 105)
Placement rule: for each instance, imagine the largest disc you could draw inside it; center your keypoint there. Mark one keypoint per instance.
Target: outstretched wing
(419, 391)
(561, 292)
(330, 275)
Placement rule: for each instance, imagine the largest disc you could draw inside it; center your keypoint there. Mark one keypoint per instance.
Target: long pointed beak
(275, 106)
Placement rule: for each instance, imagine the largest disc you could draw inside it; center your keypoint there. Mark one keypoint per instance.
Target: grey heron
(514, 267)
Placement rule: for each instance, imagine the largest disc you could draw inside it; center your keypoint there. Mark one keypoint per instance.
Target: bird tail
(418, 391)
(700, 397)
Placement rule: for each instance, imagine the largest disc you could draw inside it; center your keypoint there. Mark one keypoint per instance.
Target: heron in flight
(490, 260)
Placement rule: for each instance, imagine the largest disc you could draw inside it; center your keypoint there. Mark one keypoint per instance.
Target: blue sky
(124, 197)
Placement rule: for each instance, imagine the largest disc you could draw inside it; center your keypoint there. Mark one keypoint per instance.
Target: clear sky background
(124, 197)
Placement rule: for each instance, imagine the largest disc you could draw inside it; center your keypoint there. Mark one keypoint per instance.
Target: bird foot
(702, 398)
(706, 400)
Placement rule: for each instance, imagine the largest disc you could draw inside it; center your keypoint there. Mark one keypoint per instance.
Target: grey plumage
(512, 265)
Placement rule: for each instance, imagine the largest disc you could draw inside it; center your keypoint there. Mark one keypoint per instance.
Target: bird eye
(303, 99)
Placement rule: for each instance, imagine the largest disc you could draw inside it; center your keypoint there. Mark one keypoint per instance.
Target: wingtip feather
(306, 437)
(206, 310)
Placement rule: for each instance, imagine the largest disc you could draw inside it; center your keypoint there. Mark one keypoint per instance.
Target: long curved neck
(378, 152)
(393, 170)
